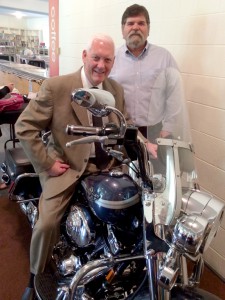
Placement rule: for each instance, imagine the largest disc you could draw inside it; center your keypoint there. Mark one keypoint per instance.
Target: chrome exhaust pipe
(92, 268)
(82, 274)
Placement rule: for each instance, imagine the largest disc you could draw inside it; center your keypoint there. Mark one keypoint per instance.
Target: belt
(143, 130)
(92, 160)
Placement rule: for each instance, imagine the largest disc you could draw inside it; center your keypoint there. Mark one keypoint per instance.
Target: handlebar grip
(109, 129)
(82, 130)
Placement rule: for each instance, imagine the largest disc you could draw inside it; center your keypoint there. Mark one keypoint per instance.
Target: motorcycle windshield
(168, 127)
(166, 113)
(174, 174)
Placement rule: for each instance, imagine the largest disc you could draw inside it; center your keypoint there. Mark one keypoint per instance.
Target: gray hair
(101, 37)
(134, 11)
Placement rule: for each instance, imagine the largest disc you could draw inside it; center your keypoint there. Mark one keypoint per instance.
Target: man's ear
(84, 54)
(122, 26)
(148, 29)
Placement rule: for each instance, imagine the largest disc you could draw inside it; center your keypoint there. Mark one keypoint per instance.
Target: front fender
(178, 293)
(192, 294)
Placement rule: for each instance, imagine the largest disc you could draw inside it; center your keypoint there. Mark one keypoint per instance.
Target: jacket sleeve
(35, 118)
(4, 91)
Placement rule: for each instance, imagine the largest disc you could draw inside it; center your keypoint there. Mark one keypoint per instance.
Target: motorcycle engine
(113, 197)
(80, 226)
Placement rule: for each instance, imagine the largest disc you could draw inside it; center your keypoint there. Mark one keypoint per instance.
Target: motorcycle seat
(16, 163)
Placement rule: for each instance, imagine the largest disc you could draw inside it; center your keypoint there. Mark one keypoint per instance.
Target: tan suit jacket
(53, 109)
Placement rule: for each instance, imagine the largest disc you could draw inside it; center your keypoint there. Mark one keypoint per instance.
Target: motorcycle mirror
(95, 100)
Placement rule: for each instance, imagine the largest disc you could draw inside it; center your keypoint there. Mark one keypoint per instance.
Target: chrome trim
(118, 204)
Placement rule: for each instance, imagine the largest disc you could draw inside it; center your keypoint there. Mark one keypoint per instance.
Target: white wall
(37, 6)
(11, 22)
(193, 31)
(79, 20)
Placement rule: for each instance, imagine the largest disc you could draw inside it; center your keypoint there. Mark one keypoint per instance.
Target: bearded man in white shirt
(150, 78)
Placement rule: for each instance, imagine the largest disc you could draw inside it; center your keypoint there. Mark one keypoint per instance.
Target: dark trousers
(151, 132)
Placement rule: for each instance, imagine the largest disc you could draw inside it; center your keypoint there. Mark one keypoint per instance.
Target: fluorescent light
(18, 14)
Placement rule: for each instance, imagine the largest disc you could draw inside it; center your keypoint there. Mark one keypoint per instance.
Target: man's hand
(10, 86)
(164, 134)
(152, 149)
(57, 169)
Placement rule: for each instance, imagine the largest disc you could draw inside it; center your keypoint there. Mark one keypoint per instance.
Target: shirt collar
(128, 52)
(86, 83)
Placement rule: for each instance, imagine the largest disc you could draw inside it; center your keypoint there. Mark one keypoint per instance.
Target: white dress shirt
(152, 85)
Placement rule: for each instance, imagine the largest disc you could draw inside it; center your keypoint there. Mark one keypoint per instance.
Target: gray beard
(134, 44)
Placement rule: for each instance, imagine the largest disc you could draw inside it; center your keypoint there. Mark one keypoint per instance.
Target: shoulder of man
(160, 49)
(59, 78)
(63, 81)
(154, 47)
(121, 48)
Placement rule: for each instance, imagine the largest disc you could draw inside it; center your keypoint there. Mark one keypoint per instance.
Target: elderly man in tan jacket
(60, 167)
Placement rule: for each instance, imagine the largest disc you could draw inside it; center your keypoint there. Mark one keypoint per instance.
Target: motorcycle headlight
(195, 230)
(189, 233)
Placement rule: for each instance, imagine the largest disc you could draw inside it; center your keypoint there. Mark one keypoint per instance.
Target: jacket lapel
(108, 87)
(80, 111)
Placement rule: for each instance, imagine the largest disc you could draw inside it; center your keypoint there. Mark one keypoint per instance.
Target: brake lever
(90, 139)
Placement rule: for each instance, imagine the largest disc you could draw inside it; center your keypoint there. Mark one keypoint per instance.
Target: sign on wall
(54, 37)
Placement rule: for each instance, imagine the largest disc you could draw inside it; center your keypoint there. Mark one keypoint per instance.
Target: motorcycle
(138, 231)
